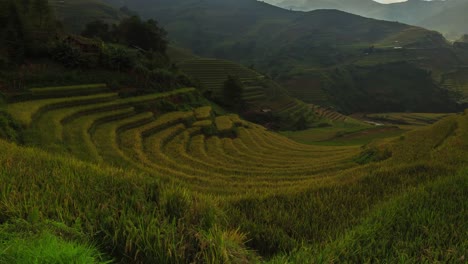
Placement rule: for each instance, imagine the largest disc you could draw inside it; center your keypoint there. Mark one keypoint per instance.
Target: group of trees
(27, 28)
(135, 48)
(132, 31)
(233, 89)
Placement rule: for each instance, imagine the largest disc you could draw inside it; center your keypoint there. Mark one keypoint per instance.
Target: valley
(207, 131)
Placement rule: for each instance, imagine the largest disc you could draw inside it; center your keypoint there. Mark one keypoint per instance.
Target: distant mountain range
(447, 16)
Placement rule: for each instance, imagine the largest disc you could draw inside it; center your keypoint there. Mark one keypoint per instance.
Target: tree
(145, 35)
(97, 29)
(13, 34)
(301, 123)
(42, 12)
(232, 94)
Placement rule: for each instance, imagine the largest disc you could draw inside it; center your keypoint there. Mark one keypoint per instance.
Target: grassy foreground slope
(128, 214)
(192, 186)
(427, 224)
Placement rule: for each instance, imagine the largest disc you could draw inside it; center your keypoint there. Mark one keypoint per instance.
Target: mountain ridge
(414, 12)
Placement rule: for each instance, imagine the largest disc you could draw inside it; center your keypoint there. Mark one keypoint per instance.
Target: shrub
(118, 58)
(373, 154)
(67, 55)
(162, 80)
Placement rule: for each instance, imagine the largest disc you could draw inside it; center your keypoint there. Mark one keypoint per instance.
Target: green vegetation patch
(9, 128)
(24, 243)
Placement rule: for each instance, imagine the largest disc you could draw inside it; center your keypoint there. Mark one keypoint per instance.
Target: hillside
(75, 14)
(444, 16)
(217, 186)
(304, 51)
(451, 20)
(124, 147)
(360, 7)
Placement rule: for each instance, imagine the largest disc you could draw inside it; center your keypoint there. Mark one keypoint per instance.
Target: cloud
(389, 1)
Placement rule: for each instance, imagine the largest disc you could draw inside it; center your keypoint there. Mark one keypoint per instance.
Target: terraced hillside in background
(457, 82)
(327, 113)
(260, 94)
(193, 147)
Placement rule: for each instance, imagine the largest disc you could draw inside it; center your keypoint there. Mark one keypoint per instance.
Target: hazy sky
(389, 1)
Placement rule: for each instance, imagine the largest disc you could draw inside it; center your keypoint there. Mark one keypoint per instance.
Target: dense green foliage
(134, 56)
(75, 14)
(386, 88)
(29, 26)
(232, 94)
(132, 32)
(26, 242)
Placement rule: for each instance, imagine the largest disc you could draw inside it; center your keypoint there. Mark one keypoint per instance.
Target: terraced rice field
(232, 190)
(327, 113)
(212, 73)
(105, 129)
(457, 82)
(258, 93)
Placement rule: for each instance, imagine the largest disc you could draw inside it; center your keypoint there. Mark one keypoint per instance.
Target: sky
(389, 1)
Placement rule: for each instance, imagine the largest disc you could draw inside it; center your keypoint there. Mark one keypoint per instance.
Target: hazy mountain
(446, 16)
(451, 21)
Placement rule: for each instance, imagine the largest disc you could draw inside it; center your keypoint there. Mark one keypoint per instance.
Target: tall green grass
(25, 243)
(131, 215)
(424, 225)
